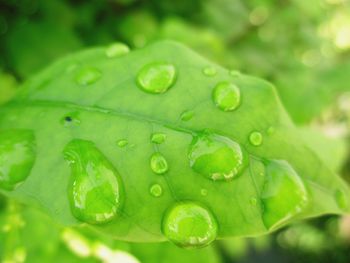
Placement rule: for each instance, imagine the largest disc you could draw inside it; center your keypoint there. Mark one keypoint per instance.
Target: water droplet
(253, 201)
(256, 138)
(226, 96)
(159, 165)
(235, 73)
(341, 199)
(17, 157)
(158, 138)
(95, 190)
(117, 50)
(156, 77)
(271, 130)
(216, 157)
(204, 192)
(210, 71)
(189, 225)
(122, 143)
(283, 195)
(156, 190)
(187, 115)
(87, 76)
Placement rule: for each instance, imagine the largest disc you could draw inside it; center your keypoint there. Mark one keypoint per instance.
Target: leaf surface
(261, 181)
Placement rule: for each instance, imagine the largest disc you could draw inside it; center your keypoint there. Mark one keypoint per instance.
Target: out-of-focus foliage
(301, 46)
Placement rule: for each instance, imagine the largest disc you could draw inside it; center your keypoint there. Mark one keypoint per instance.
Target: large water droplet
(189, 225)
(210, 71)
(87, 76)
(158, 138)
(283, 195)
(340, 198)
(256, 138)
(159, 165)
(216, 157)
(156, 190)
(187, 115)
(226, 96)
(95, 190)
(156, 77)
(17, 157)
(117, 50)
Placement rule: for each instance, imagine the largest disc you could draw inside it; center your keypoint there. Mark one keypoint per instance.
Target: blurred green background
(302, 46)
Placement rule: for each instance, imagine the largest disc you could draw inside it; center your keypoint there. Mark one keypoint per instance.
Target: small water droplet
(283, 195)
(187, 115)
(158, 138)
(271, 130)
(122, 143)
(116, 50)
(156, 190)
(340, 198)
(226, 96)
(159, 165)
(235, 73)
(189, 225)
(204, 192)
(210, 71)
(95, 190)
(87, 76)
(156, 77)
(216, 157)
(256, 138)
(253, 201)
(17, 157)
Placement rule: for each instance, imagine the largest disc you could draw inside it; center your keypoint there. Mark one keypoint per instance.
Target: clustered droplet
(156, 190)
(226, 96)
(210, 71)
(156, 77)
(187, 115)
(158, 138)
(96, 190)
(116, 50)
(122, 143)
(216, 157)
(256, 138)
(190, 225)
(87, 75)
(17, 157)
(159, 164)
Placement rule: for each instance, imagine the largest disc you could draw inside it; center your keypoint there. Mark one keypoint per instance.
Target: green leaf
(209, 172)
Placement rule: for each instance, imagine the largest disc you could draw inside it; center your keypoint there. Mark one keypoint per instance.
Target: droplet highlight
(283, 195)
(158, 138)
(216, 157)
(95, 189)
(156, 77)
(87, 76)
(209, 71)
(190, 225)
(159, 164)
(17, 157)
(117, 50)
(226, 96)
(156, 190)
(256, 138)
